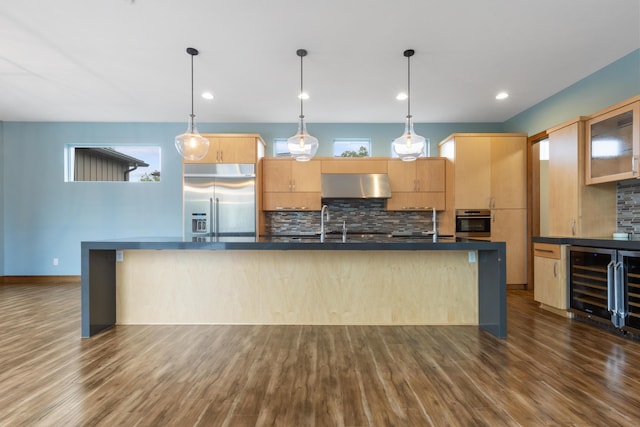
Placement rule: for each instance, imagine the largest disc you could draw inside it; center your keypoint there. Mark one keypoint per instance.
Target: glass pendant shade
(191, 145)
(302, 146)
(409, 146)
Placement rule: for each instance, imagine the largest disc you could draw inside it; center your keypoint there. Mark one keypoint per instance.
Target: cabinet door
(550, 284)
(430, 174)
(510, 226)
(414, 201)
(237, 150)
(508, 172)
(613, 145)
(291, 201)
(305, 176)
(564, 181)
(354, 165)
(402, 176)
(276, 175)
(472, 172)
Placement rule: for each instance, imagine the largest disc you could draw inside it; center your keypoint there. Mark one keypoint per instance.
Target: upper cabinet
(575, 209)
(490, 170)
(232, 148)
(417, 185)
(354, 165)
(613, 144)
(291, 185)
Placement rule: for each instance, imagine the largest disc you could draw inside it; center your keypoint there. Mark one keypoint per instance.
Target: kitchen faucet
(435, 226)
(324, 212)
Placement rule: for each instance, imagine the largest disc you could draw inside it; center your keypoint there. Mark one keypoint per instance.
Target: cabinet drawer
(546, 250)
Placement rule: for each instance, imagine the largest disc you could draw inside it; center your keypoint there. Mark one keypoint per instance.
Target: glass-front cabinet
(613, 144)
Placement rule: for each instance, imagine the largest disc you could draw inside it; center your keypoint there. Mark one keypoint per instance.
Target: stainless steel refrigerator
(219, 202)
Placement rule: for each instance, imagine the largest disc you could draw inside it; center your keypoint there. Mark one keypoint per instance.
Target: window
(352, 147)
(280, 147)
(424, 152)
(544, 149)
(130, 163)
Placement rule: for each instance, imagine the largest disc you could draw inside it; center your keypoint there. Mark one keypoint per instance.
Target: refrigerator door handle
(210, 216)
(217, 216)
(610, 287)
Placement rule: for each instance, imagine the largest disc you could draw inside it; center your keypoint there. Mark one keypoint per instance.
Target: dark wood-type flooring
(550, 371)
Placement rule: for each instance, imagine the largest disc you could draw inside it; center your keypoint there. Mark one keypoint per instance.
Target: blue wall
(47, 218)
(616, 82)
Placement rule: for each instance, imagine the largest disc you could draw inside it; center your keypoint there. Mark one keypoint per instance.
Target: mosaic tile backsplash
(361, 216)
(628, 206)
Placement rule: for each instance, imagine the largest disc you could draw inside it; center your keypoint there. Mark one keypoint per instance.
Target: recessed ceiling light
(401, 96)
(502, 95)
(207, 95)
(303, 95)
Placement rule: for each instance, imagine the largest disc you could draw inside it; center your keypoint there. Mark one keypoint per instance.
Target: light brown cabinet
(510, 226)
(417, 185)
(291, 185)
(490, 172)
(351, 165)
(613, 144)
(232, 148)
(574, 208)
(549, 264)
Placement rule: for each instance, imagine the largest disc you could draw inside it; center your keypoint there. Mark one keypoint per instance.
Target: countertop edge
(589, 242)
(122, 244)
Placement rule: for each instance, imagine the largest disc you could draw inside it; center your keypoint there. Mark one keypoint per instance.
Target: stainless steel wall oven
(473, 223)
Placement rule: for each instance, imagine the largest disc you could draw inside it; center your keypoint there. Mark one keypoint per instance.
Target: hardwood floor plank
(549, 371)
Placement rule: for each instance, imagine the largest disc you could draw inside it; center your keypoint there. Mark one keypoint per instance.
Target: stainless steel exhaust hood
(355, 186)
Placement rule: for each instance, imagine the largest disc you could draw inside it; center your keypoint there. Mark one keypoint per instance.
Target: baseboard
(39, 280)
(558, 311)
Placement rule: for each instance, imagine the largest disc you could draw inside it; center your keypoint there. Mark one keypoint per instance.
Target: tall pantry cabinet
(576, 209)
(490, 172)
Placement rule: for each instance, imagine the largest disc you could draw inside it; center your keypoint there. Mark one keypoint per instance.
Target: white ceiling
(124, 60)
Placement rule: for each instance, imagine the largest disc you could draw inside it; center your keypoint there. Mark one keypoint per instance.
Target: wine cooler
(604, 285)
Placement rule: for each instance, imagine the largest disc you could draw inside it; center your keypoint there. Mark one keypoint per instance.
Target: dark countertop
(293, 242)
(604, 242)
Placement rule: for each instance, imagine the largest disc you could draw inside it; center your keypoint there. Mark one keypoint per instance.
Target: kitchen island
(270, 281)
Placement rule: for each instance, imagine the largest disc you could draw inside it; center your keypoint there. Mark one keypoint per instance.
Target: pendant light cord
(409, 87)
(192, 115)
(301, 87)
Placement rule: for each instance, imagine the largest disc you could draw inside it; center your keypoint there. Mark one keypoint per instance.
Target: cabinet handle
(555, 268)
(493, 217)
(634, 164)
(222, 156)
(573, 227)
(294, 184)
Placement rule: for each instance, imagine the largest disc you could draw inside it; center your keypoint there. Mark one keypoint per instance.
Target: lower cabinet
(550, 278)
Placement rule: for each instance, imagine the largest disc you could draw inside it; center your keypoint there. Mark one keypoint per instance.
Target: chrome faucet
(344, 231)
(435, 226)
(323, 213)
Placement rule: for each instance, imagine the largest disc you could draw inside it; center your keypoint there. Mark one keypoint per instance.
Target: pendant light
(191, 145)
(410, 145)
(302, 146)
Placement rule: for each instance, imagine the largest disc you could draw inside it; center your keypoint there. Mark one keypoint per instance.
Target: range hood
(355, 186)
